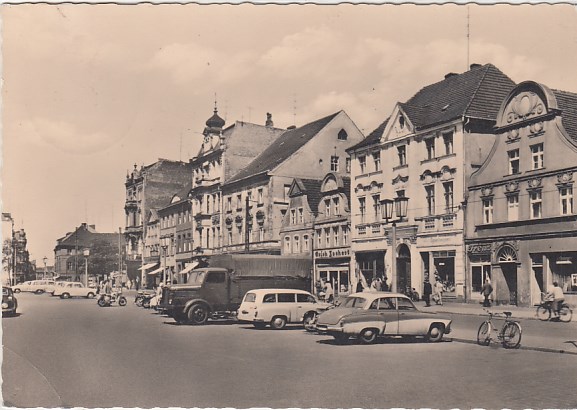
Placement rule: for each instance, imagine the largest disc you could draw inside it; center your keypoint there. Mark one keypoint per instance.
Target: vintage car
(74, 289)
(9, 302)
(278, 307)
(368, 315)
(36, 286)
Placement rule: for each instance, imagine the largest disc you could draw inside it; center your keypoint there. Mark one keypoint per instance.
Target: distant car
(9, 302)
(74, 289)
(368, 315)
(278, 307)
(36, 286)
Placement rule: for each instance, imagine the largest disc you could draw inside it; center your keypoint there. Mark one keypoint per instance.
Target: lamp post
(247, 224)
(164, 246)
(400, 204)
(86, 253)
(45, 260)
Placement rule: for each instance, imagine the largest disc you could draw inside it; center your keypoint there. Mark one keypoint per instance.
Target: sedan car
(74, 289)
(36, 286)
(368, 315)
(9, 302)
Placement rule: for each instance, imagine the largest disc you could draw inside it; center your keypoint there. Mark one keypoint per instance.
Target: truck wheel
(278, 322)
(198, 314)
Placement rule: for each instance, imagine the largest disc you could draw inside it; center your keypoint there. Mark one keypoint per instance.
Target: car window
(250, 297)
(354, 302)
(286, 297)
(215, 277)
(269, 298)
(387, 304)
(5, 292)
(304, 298)
(405, 304)
(77, 285)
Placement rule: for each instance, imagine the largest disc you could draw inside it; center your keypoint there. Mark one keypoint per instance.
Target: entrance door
(403, 268)
(510, 274)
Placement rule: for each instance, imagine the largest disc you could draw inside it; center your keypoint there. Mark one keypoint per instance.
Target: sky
(90, 90)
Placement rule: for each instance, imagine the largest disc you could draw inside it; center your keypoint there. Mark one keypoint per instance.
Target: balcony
(434, 223)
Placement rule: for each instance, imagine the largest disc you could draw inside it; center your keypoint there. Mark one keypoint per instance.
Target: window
(293, 216)
(336, 204)
(513, 207)
(260, 196)
(448, 188)
(319, 238)
(376, 206)
(286, 297)
(261, 234)
(345, 235)
(513, 161)
(287, 244)
(305, 243)
(301, 216)
(488, 210)
(297, 244)
(343, 135)
(537, 156)
(566, 200)
(377, 160)
(334, 163)
(304, 298)
(430, 191)
(401, 121)
(215, 277)
(362, 208)
(230, 236)
(239, 201)
(327, 237)
(363, 163)
(348, 165)
(327, 207)
(536, 202)
(402, 153)
(430, 145)
(448, 140)
(269, 298)
(336, 236)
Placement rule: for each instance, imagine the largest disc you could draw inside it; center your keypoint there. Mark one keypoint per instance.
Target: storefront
(333, 265)
(440, 265)
(371, 265)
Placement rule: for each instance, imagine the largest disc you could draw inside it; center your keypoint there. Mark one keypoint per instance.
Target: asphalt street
(72, 353)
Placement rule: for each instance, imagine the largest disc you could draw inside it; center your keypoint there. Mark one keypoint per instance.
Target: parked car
(368, 315)
(74, 289)
(9, 301)
(36, 286)
(57, 285)
(278, 307)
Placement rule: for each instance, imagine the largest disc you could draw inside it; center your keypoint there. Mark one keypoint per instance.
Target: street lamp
(86, 253)
(45, 259)
(400, 204)
(164, 246)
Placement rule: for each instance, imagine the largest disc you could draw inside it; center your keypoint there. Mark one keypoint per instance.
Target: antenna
(468, 36)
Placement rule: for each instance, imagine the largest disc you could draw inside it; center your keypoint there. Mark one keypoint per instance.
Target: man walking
(486, 291)
(427, 290)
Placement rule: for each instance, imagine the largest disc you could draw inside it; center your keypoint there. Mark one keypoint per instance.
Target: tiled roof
(476, 93)
(567, 103)
(372, 138)
(282, 148)
(313, 192)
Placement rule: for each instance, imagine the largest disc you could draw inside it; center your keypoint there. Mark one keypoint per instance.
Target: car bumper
(328, 329)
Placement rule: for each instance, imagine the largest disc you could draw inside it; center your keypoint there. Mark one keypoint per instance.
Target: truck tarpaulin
(264, 265)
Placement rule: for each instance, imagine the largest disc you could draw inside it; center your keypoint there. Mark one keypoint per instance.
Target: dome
(215, 121)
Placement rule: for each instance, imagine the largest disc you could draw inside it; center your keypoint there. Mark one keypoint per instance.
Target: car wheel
(340, 338)
(278, 322)
(90, 295)
(259, 325)
(198, 314)
(39, 291)
(436, 333)
(309, 321)
(16, 290)
(65, 296)
(368, 336)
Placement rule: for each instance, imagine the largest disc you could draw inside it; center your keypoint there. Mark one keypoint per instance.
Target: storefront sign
(479, 249)
(332, 253)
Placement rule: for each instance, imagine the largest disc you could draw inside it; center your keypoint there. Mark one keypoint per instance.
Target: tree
(103, 258)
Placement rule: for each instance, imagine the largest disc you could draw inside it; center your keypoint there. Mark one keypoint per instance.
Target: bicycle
(544, 310)
(509, 335)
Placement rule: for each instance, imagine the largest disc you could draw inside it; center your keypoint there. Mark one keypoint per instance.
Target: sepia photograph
(344, 206)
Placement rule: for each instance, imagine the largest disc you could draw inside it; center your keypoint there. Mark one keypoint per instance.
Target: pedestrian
(427, 291)
(486, 291)
(438, 294)
(137, 283)
(385, 286)
(329, 293)
(379, 284)
(359, 285)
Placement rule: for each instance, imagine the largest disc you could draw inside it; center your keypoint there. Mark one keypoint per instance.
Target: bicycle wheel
(511, 335)
(484, 334)
(543, 313)
(565, 314)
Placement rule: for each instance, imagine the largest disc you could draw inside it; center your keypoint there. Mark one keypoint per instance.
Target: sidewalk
(560, 338)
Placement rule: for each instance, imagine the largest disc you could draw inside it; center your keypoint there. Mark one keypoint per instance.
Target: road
(72, 353)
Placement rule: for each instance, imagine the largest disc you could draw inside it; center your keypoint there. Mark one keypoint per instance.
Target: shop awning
(154, 272)
(148, 266)
(189, 267)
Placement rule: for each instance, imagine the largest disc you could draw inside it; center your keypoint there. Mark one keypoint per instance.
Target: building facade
(521, 219)
(426, 151)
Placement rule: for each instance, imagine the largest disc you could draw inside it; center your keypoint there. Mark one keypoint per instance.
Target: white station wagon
(74, 289)
(278, 307)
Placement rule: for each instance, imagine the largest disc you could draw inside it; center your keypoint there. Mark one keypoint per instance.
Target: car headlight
(4, 305)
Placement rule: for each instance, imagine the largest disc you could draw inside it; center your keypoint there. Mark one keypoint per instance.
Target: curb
(536, 349)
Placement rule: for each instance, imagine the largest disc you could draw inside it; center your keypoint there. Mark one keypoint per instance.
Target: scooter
(105, 300)
(141, 297)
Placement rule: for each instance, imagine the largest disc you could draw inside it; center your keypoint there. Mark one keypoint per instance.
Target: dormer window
(343, 135)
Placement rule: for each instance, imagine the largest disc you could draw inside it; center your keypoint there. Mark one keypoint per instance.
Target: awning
(189, 267)
(148, 266)
(154, 272)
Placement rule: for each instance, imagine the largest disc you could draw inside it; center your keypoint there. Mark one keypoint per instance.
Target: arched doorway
(403, 268)
(508, 260)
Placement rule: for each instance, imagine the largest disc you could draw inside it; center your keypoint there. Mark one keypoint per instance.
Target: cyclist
(557, 297)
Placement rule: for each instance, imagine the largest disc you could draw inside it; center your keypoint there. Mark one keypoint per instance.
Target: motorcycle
(105, 300)
(142, 299)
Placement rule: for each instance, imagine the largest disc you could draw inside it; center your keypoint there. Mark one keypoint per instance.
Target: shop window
(479, 273)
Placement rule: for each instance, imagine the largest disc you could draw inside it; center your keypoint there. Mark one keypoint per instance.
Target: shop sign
(479, 249)
(332, 253)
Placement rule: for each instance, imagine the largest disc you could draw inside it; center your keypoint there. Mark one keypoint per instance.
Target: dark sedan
(9, 302)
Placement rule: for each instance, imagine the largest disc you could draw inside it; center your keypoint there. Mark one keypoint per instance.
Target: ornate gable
(399, 126)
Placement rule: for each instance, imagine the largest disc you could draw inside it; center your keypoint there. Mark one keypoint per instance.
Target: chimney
(269, 122)
(475, 65)
(449, 75)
